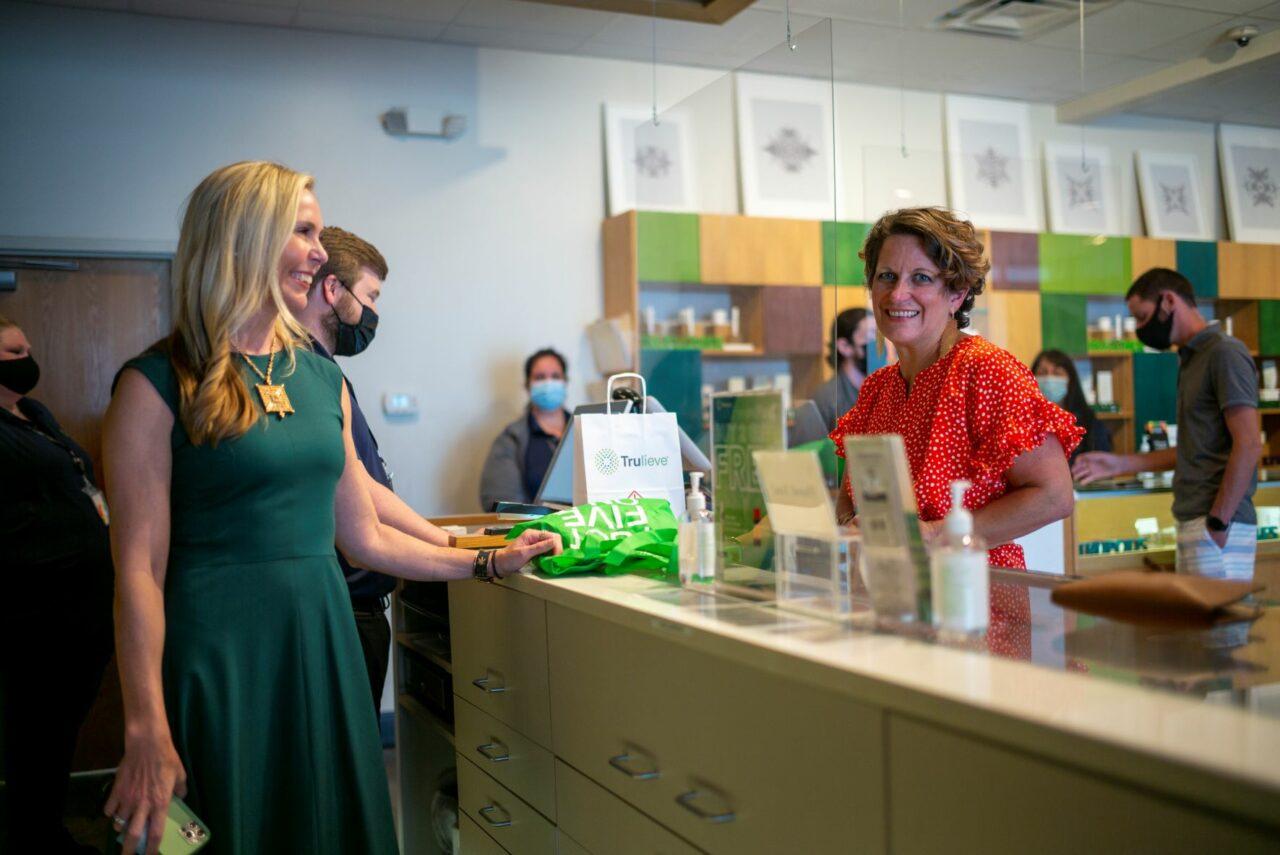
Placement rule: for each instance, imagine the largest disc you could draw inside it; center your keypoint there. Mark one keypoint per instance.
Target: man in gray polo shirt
(1216, 461)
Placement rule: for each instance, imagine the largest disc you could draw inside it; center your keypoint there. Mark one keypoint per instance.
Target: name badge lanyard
(86, 483)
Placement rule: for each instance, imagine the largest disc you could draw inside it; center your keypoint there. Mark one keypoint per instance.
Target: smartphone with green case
(183, 831)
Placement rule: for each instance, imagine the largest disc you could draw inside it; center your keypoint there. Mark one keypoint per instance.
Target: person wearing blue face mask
(519, 457)
(1058, 381)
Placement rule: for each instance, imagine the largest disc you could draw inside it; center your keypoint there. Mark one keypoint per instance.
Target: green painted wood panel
(1155, 390)
(1076, 264)
(668, 247)
(1269, 327)
(674, 377)
(841, 243)
(1198, 261)
(1063, 323)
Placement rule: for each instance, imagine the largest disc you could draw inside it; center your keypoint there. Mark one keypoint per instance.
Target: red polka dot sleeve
(1008, 416)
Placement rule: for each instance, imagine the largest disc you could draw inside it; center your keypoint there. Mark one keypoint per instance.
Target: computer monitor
(807, 425)
(557, 485)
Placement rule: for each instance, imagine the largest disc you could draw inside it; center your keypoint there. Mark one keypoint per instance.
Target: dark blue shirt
(537, 456)
(363, 583)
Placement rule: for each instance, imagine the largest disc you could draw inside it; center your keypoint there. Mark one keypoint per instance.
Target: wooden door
(83, 325)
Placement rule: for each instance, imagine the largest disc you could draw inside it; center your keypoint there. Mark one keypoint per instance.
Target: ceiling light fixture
(1015, 19)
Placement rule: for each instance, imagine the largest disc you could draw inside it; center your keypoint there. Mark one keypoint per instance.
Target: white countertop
(1213, 754)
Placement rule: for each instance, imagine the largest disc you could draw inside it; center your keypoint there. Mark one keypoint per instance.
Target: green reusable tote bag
(613, 537)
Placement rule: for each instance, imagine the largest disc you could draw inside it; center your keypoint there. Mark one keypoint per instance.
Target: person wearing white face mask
(519, 457)
(1058, 381)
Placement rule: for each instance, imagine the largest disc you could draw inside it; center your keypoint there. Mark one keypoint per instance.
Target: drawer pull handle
(495, 809)
(494, 751)
(622, 763)
(482, 683)
(689, 801)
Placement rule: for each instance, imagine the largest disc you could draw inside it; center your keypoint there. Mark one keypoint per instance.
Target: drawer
(565, 845)
(516, 826)
(729, 757)
(515, 761)
(499, 640)
(603, 823)
(952, 793)
(473, 841)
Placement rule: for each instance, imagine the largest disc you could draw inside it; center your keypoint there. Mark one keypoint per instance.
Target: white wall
(493, 241)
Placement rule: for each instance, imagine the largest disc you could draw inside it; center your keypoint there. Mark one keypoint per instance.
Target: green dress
(264, 683)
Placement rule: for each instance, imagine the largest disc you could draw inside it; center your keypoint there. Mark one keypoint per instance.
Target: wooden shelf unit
(1036, 296)
(777, 286)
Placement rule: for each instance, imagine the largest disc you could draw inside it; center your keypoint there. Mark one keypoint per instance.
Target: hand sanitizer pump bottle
(697, 537)
(958, 570)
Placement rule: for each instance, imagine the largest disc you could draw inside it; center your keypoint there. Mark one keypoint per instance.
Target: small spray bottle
(958, 566)
(697, 537)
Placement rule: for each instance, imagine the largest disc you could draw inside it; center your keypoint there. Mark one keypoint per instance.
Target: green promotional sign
(742, 423)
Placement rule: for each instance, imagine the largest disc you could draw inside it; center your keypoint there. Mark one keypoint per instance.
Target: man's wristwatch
(1215, 524)
(485, 567)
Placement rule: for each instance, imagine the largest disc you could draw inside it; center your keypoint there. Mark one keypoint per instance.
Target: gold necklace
(274, 398)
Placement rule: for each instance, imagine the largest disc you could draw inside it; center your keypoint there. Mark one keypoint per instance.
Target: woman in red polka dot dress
(964, 407)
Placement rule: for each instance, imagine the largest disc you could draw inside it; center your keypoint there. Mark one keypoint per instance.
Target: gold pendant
(274, 399)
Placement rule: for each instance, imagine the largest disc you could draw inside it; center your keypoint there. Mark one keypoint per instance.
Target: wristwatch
(1214, 523)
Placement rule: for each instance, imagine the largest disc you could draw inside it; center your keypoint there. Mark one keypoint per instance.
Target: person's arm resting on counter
(1242, 463)
(1039, 493)
(371, 543)
(395, 512)
(1096, 465)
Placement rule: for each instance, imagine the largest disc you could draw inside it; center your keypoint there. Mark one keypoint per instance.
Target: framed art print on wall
(1082, 189)
(1169, 184)
(649, 167)
(1250, 159)
(992, 172)
(786, 147)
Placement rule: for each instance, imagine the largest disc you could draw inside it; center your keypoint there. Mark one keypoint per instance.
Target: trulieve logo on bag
(608, 461)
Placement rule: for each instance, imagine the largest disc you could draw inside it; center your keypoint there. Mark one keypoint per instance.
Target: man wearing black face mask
(1216, 461)
(342, 319)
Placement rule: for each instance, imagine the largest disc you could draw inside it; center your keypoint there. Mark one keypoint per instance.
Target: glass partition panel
(735, 187)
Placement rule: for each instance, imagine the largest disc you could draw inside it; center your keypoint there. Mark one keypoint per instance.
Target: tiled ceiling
(1123, 41)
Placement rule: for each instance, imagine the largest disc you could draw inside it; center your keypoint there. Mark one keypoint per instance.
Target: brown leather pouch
(1159, 598)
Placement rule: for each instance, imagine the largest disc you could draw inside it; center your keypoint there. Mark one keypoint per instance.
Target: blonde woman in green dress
(231, 474)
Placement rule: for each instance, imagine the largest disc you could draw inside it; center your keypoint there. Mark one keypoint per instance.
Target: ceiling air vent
(1015, 19)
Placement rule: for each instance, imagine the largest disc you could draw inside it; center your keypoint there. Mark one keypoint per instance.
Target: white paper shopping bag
(629, 455)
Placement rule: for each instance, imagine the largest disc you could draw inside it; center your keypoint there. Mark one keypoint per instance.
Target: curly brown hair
(949, 241)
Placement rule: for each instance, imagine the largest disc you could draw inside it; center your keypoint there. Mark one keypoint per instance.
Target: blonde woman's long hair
(234, 231)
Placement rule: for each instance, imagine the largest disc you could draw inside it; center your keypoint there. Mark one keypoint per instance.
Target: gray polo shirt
(1215, 372)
